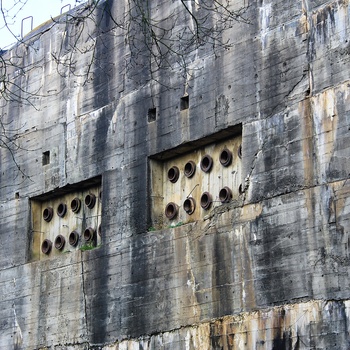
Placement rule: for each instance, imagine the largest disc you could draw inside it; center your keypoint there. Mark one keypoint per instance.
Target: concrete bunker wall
(266, 270)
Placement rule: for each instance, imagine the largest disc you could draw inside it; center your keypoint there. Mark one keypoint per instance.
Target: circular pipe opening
(225, 157)
(190, 169)
(73, 238)
(46, 246)
(59, 242)
(47, 214)
(61, 210)
(239, 152)
(171, 210)
(225, 195)
(89, 234)
(173, 174)
(189, 205)
(206, 200)
(75, 205)
(90, 200)
(206, 163)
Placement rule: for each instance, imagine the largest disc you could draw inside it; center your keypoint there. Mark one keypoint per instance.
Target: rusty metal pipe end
(46, 246)
(73, 238)
(225, 195)
(61, 210)
(90, 200)
(206, 163)
(225, 157)
(189, 205)
(89, 234)
(171, 210)
(239, 152)
(59, 242)
(75, 205)
(48, 214)
(190, 168)
(206, 200)
(173, 174)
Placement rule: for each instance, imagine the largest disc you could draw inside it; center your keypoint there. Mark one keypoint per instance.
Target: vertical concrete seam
(191, 282)
(84, 294)
(309, 36)
(247, 178)
(65, 151)
(18, 337)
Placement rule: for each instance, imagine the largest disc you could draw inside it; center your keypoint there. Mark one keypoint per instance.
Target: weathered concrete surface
(268, 271)
(285, 327)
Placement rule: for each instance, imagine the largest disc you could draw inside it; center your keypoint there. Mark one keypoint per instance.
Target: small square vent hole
(46, 158)
(184, 103)
(152, 114)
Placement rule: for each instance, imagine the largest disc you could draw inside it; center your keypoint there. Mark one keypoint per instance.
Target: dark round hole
(225, 157)
(173, 174)
(189, 206)
(225, 195)
(206, 163)
(75, 205)
(61, 210)
(47, 214)
(99, 230)
(190, 169)
(46, 246)
(73, 238)
(239, 152)
(59, 242)
(171, 210)
(89, 234)
(206, 200)
(90, 200)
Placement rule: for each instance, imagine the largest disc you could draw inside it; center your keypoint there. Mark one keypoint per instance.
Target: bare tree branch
(169, 42)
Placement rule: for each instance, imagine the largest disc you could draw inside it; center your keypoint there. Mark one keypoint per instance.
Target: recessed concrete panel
(66, 223)
(186, 188)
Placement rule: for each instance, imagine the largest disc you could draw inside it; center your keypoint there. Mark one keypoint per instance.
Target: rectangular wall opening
(152, 114)
(66, 220)
(46, 158)
(184, 103)
(188, 182)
